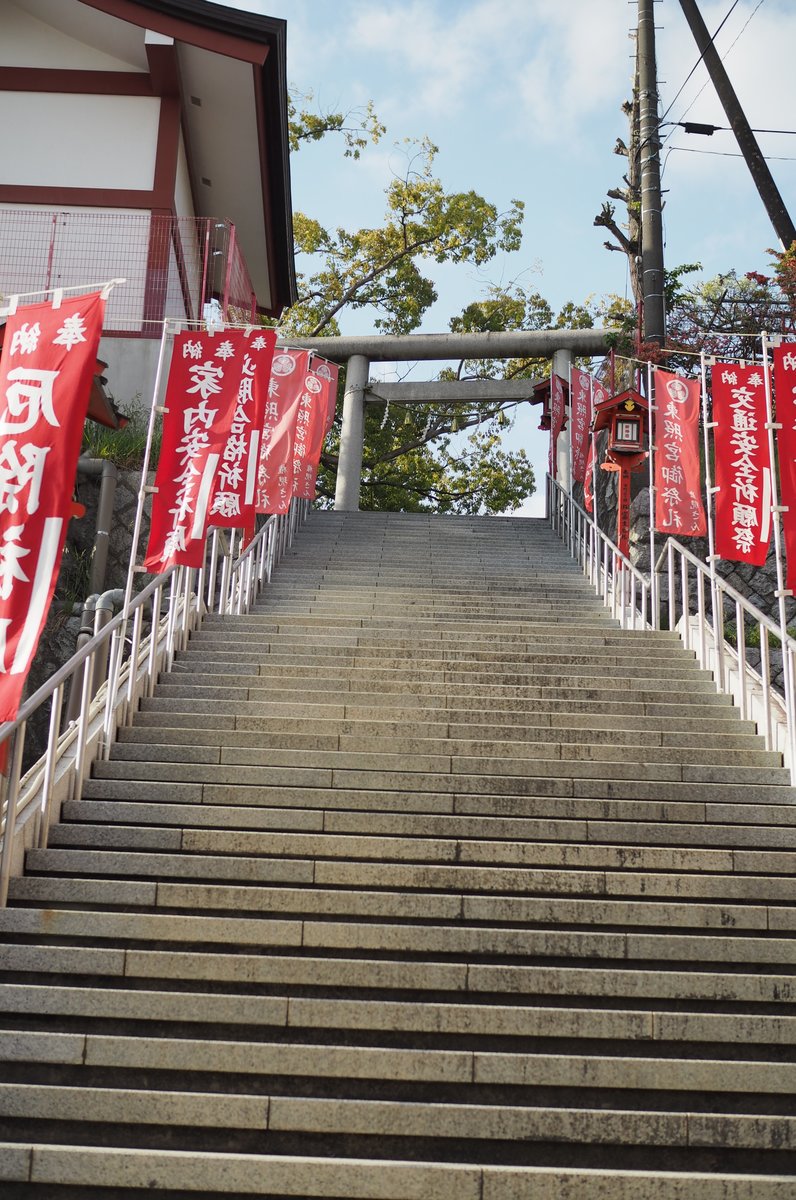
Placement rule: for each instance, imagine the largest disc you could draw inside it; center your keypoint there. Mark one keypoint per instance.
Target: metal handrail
(228, 586)
(698, 618)
(623, 587)
(752, 690)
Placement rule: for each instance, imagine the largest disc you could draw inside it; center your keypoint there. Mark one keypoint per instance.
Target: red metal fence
(173, 265)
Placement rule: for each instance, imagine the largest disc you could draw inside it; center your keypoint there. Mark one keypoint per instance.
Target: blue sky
(523, 99)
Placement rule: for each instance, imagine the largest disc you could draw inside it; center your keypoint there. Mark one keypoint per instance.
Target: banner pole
(715, 597)
(114, 665)
(782, 592)
(653, 408)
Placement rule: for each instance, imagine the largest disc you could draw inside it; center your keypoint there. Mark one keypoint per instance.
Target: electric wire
(696, 64)
(698, 61)
(730, 154)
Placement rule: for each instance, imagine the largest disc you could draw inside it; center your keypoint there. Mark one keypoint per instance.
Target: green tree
(415, 457)
(381, 269)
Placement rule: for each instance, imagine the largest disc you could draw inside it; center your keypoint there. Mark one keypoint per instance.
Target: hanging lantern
(408, 418)
(503, 418)
(455, 425)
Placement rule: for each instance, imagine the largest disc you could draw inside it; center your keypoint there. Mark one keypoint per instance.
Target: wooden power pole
(747, 143)
(654, 327)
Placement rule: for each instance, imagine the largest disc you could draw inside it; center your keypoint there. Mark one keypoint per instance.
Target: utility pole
(747, 143)
(651, 222)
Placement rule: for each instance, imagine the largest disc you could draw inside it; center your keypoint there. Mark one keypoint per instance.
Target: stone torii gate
(360, 351)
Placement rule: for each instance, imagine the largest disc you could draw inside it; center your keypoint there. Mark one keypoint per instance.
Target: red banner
(46, 371)
(581, 406)
(199, 406)
(678, 491)
(785, 386)
(330, 371)
(557, 415)
(275, 473)
(249, 360)
(311, 423)
(588, 478)
(743, 466)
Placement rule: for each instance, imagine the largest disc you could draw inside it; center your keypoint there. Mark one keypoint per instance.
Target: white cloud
(539, 64)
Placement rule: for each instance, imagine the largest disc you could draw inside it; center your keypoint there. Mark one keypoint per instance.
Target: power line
(709, 130)
(698, 61)
(730, 154)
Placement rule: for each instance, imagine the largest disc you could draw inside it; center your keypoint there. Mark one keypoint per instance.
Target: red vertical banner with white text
(581, 410)
(743, 466)
(599, 393)
(275, 472)
(330, 371)
(46, 370)
(678, 491)
(232, 503)
(588, 482)
(306, 471)
(557, 415)
(200, 404)
(785, 395)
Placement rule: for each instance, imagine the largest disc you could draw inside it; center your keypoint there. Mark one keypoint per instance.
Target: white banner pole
(710, 491)
(651, 464)
(782, 593)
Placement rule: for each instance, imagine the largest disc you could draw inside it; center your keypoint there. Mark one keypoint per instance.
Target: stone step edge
(363, 1179)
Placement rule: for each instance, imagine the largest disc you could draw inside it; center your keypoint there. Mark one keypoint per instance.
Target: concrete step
(598, 871)
(575, 816)
(546, 661)
(374, 811)
(197, 898)
(419, 739)
(499, 776)
(474, 1122)
(42, 1167)
(652, 989)
(577, 1072)
(419, 849)
(571, 725)
(411, 938)
(434, 754)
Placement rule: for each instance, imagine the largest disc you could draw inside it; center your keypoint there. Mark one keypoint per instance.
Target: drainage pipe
(103, 615)
(85, 634)
(109, 475)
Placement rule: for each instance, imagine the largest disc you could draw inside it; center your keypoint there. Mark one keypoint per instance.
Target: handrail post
(45, 807)
(11, 791)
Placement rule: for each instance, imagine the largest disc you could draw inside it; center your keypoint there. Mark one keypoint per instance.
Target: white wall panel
(62, 140)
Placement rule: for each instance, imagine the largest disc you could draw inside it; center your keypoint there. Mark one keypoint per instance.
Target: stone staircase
(423, 881)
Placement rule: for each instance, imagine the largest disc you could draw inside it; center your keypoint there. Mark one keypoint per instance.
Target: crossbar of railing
(698, 600)
(620, 584)
(228, 586)
(694, 599)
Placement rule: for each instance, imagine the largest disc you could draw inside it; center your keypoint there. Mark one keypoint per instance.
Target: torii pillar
(562, 363)
(352, 435)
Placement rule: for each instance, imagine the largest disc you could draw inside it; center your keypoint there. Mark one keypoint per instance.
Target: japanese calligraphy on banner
(586, 392)
(785, 386)
(235, 491)
(557, 414)
(46, 371)
(310, 433)
(329, 371)
(588, 478)
(275, 472)
(743, 467)
(206, 375)
(678, 494)
(580, 393)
